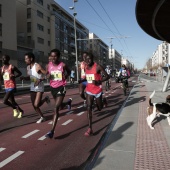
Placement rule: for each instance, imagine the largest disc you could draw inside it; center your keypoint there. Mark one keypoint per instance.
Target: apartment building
(115, 59)
(99, 49)
(8, 30)
(46, 25)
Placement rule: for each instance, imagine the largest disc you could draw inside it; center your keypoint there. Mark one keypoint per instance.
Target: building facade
(99, 49)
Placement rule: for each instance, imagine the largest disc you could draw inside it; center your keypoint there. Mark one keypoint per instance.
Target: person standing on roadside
(58, 73)
(7, 72)
(94, 88)
(35, 75)
(82, 78)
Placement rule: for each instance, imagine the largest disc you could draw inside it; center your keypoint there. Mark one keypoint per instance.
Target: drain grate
(152, 150)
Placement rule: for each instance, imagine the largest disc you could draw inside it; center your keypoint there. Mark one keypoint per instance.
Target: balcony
(27, 43)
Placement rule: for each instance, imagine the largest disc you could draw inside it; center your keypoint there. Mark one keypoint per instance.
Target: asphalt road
(22, 141)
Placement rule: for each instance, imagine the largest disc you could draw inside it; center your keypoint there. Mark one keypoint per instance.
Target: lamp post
(75, 36)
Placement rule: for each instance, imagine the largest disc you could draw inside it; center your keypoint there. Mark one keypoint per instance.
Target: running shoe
(50, 134)
(69, 104)
(47, 99)
(42, 119)
(89, 132)
(85, 104)
(20, 115)
(15, 112)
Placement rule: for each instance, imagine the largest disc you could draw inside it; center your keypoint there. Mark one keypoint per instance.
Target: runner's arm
(68, 71)
(102, 70)
(15, 69)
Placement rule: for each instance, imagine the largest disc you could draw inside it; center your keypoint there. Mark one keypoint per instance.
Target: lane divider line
(69, 112)
(42, 138)
(67, 122)
(31, 133)
(79, 114)
(80, 107)
(1, 149)
(52, 122)
(9, 159)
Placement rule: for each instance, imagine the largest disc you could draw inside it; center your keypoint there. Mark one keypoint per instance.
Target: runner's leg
(6, 99)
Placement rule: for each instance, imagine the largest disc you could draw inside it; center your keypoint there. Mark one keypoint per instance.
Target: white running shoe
(42, 119)
(15, 112)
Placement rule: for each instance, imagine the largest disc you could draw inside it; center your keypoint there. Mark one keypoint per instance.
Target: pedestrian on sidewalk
(7, 73)
(72, 76)
(94, 88)
(82, 78)
(36, 73)
(58, 73)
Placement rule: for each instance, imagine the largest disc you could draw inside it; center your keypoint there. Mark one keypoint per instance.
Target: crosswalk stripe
(67, 122)
(29, 134)
(80, 113)
(9, 159)
(42, 138)
(1, 149)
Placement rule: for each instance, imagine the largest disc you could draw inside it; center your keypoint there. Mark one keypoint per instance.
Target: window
(0, 44)
(40, 40)
(48, 43)
(28, 12)
(28, 26)
(40, 2)
(48, 6)
(0, 29)
(48, 31)
(48, 19)
(28, 2)
(40, 27)
(0, 10)
(40, 14)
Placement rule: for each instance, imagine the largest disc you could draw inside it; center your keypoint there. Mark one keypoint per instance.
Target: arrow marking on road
(29, 134)
(9, 159)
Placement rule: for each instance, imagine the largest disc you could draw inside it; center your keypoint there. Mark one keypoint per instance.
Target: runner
(8, 73)
(94, 88)
(82, 78)
(35, 74)
(57, 70)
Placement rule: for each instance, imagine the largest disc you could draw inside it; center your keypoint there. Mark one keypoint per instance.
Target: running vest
(82, 67)
(34, 76)
(57, 75)
(8, 82)
(93, 75)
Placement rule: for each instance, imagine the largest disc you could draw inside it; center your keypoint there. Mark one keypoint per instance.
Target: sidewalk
(131, 144)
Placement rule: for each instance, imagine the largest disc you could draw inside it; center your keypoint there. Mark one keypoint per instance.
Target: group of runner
(89, 78)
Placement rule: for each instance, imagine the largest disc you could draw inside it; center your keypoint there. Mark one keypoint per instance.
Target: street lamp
(75, 35)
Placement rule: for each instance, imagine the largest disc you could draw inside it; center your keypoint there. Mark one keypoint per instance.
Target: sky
(116, 19)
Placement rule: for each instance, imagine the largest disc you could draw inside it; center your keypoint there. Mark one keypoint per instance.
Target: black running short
(59, 91)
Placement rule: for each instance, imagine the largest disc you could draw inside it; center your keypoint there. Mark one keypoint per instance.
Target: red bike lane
(23, 145)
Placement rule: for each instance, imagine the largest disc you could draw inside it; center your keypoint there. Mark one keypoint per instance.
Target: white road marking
(9, 159)
(79, 114)
(42, 138)
(69, 112)
(133, 81)
(1, 149)
(67, 122)
(80, 107)
(52, 121)
(29, 134)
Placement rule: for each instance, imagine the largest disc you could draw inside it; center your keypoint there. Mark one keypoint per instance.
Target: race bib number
(33, 79)
(56, 75)
(6, 76)
(90, 78)
(124, 73)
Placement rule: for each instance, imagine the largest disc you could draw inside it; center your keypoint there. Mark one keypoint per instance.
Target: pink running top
(57, 75)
